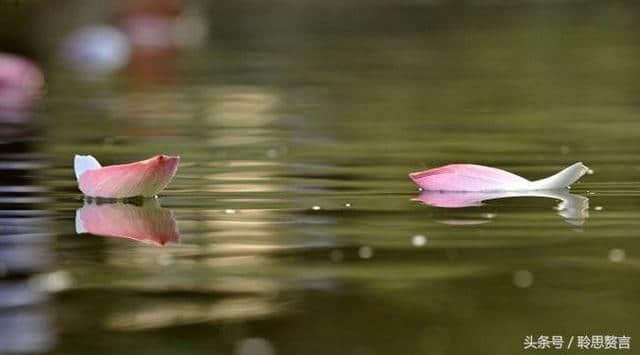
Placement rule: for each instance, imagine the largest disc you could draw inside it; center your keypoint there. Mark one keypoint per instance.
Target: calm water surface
(298, 232)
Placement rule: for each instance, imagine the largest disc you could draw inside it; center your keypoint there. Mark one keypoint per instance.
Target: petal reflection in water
(573, 208)
(147, 222)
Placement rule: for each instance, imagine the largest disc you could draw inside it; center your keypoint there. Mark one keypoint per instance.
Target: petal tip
(418, 174)
(82, 163)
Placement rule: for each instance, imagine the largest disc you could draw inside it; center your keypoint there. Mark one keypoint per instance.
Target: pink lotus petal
(144, 178)
(148, 223)
(471, 177)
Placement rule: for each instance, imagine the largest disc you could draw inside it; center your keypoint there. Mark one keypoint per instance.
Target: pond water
(299, 232)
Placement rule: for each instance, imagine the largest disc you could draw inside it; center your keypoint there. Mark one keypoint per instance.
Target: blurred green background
(297, 123)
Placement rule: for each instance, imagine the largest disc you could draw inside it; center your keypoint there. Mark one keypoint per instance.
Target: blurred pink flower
(21, 84)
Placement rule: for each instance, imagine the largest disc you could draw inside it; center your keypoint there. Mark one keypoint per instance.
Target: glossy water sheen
(298, 232)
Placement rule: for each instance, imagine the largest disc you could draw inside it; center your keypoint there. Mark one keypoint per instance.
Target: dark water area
(297, 229)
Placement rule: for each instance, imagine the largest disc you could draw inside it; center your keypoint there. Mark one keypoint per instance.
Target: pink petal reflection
(471, 177)
(574, 208)
(148, 223)
(144, 178)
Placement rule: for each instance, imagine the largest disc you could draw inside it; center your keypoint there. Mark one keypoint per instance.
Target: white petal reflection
(573, 208)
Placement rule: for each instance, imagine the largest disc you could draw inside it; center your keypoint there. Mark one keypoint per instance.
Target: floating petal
(478, 178)
(144, 178)
(148, 223)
